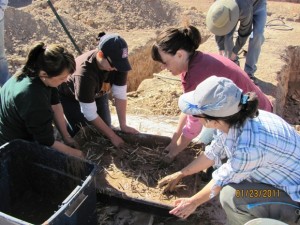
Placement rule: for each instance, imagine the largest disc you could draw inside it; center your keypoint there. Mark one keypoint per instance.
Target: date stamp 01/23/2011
(257, 193)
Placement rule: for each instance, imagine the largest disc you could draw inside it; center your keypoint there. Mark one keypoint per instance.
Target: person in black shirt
(85, 94)
(29, 101)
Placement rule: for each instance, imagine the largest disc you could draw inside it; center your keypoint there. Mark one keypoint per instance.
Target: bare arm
(199, 164)
(59, 120)
(121, 105)
(89, 111)
(67, 150)
(102, 127)
(175, 148)
(180, 125)
(186, 206)
(178, 143)
(61, 125)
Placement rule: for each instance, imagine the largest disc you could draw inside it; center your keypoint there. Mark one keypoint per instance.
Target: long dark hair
(53, 59)
(248, 110)
(172, 39)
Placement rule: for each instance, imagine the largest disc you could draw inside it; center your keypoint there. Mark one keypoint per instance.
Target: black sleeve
(54, 96)
(118, 78)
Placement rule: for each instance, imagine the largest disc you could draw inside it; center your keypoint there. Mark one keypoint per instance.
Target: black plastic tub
(39, 185)
(146, 206)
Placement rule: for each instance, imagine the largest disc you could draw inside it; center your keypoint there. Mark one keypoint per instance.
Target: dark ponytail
(101, 34)
(31, 67)
(250, 108)
(171, 40)
(53, 59)
(192, 35)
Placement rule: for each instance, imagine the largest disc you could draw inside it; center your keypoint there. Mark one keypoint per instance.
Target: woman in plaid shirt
(261, 174)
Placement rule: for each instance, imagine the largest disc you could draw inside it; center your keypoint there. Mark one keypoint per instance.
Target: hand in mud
(168, 159)
(129, 130)
(122, 150)
(117, 141)
(80, 154)
(170, 181)
(168, 155)
(71, 142)
(77, 153)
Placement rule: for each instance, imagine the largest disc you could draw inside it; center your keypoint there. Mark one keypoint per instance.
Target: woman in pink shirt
(176, 49)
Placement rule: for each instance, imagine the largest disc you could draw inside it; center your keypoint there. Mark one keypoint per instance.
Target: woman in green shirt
(29, 101)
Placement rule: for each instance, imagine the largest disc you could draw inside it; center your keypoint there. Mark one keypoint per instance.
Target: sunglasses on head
(109, 61)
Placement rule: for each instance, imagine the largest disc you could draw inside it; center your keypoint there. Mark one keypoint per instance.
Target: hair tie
(244, 99)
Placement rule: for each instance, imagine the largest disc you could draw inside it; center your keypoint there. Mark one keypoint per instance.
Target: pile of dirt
(84, 20)
(120, 15)
(27, 26)
(157, 96)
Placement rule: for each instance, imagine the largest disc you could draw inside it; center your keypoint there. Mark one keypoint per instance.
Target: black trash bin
(39, 185)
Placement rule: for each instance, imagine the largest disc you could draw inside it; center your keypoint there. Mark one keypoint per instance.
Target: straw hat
(222, 16)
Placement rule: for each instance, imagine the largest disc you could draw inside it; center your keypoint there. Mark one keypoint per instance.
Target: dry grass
(135, 170)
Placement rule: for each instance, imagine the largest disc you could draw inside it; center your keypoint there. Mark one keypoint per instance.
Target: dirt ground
(152, 91)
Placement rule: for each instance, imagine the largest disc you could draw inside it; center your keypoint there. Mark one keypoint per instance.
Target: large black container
(39, 185)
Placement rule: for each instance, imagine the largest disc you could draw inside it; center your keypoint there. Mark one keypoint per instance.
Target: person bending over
(85, 94)
(260, 176)
(29, 101)
(176, 49)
